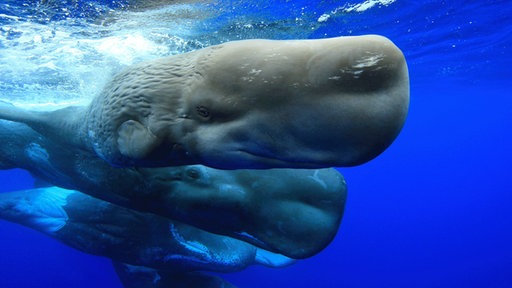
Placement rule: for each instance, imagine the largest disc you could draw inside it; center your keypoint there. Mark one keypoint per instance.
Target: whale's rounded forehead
(280, 78)
(338, 101)
(301, 63)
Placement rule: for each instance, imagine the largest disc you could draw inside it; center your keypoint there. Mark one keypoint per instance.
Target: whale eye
(193, 173)
(203, 111)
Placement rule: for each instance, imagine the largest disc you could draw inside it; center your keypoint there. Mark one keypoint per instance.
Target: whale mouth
(261, 160)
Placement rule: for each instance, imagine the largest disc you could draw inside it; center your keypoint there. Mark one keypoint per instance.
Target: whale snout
(263, 104)
(303, 103)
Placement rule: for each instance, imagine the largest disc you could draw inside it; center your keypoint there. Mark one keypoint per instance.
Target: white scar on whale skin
(369, 61)
(318, 180)
(192, 246)
(360, 65)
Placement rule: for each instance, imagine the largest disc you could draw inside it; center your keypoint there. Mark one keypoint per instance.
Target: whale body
(243, 104)
(294, 212)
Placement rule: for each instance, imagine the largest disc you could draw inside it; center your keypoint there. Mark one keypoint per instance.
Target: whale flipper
(135, 140)
(40, 209)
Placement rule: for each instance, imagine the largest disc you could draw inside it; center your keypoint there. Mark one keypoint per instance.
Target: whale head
(268, 104)
(294, 212)
(307, 104)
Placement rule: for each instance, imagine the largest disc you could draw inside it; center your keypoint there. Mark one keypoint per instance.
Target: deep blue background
(435, 210)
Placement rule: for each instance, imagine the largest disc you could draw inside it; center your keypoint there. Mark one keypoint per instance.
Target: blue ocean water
(434, 210)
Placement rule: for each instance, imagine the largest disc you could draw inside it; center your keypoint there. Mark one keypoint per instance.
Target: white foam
(5, 16)
(68, 64)
(358, 7)
(361, 7)
(323, 18)
(125, 49)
